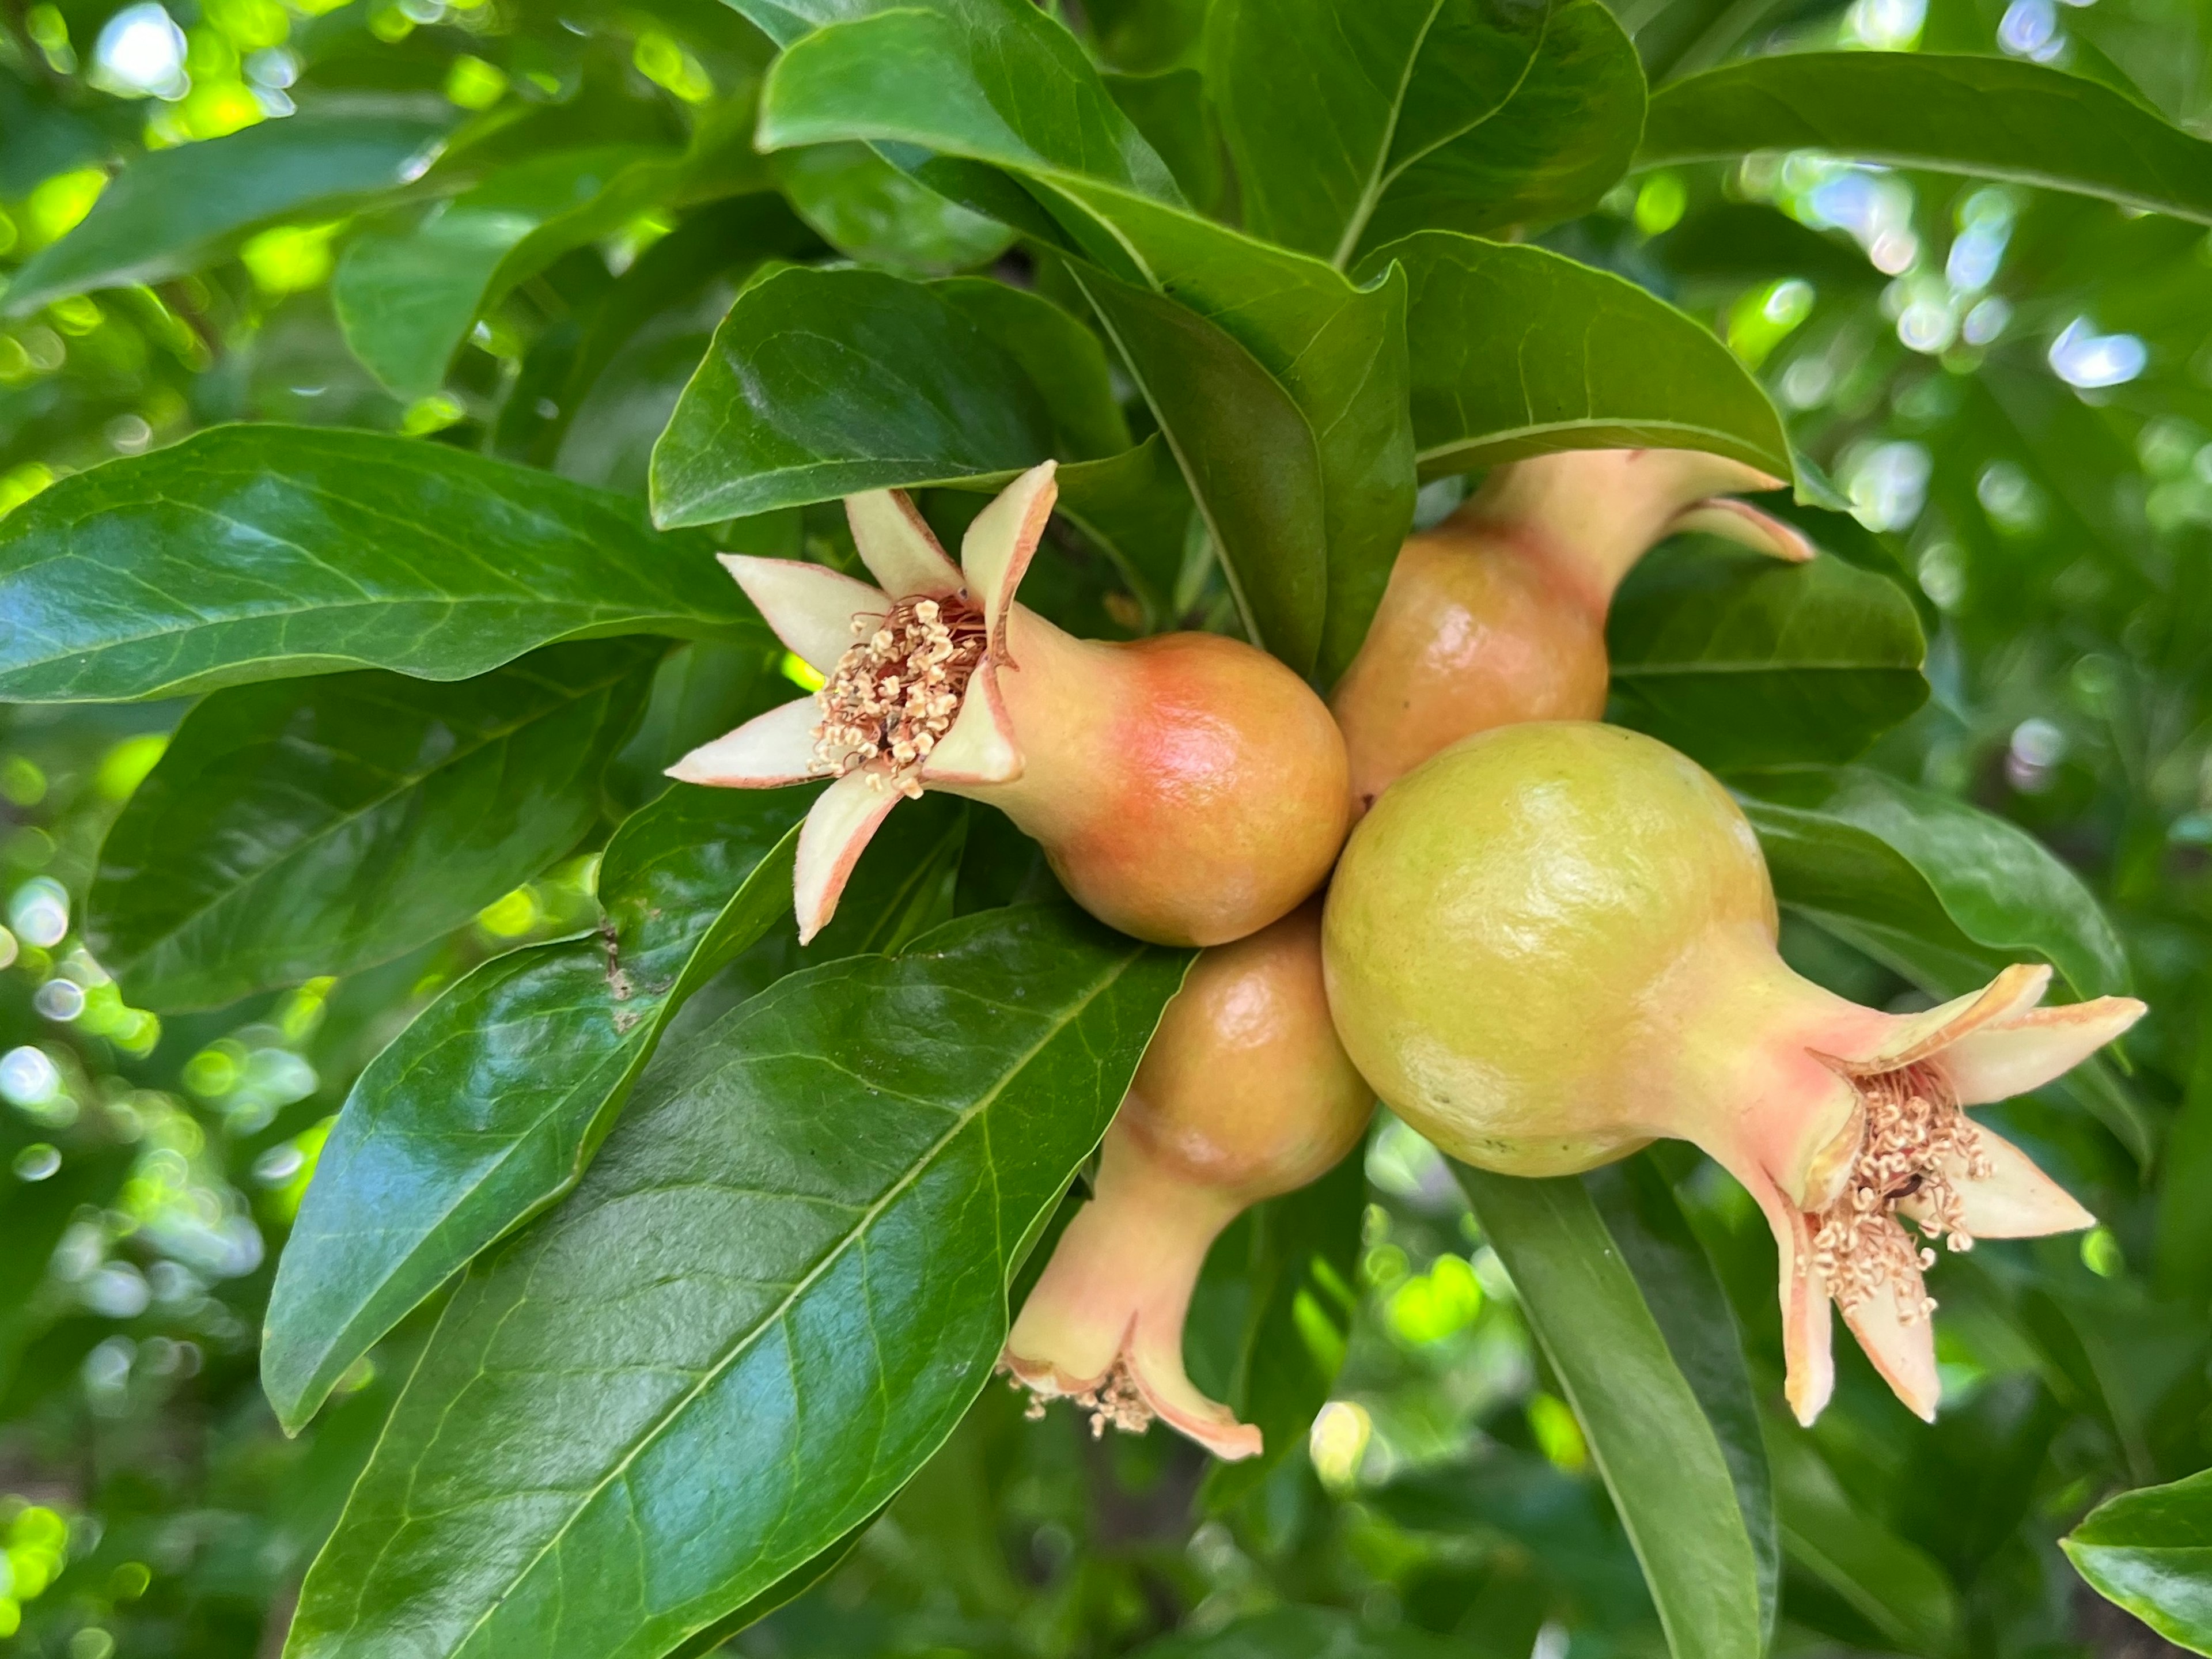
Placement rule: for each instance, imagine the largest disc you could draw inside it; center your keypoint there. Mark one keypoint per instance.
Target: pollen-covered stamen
(1116, 1402)
(1915, 1134)
(895, 691)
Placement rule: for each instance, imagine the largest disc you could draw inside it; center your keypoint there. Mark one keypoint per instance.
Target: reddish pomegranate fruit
(1497, 614)
(1245, 1092)
(1552, 943)
(1187, 788)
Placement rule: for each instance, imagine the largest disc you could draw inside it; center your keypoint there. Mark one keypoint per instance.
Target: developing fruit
(1187, 788)
(1244, 1093)
(1553, 943)
(1497, 614)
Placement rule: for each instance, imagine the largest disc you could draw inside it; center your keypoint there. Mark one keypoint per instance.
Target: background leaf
(865, 206)
(542, 1046)
(1996, 117)
(261, 552)
(1737, 660)
(822, 1192)
(170, 210)
(1650, 1436)
(1436, 114)
(823, 383)
(2151, 1551)
(1596, 362)
(296, 830)
(1301, 1633)
(406, 294)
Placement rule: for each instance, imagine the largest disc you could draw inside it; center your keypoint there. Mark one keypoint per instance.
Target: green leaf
(1922, 881)
(1595, 362)
(543, 1044)
(1942, 893)
(1304, 1263)
(1178, 119)
(406, 293)
(1996, 117)
(773, 1295)
(1661, 1455)
(1136, 507)
(1692, 1310)
(2151, 1551)
(1737, 660)
(865, 206)
(1278, 384)
(1886, 1581)
(1296, 1632)
(262, 552)
(173, 211)
(822, 383)
(296, 830)
(1419, 114)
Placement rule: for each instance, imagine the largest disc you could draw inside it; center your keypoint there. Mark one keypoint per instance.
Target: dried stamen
(1914, 1132)
(1115, 1403)
(895, 691)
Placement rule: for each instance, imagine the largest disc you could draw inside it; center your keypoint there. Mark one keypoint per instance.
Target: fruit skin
(1188, 789)
(1243, 1093)
(1497, 614)
(1552, 943)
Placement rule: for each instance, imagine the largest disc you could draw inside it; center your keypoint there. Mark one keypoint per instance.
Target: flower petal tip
(1746, 526)
(897, 545)
(810, 607)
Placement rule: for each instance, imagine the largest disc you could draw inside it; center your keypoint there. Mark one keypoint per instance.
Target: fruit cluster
(1546, 941)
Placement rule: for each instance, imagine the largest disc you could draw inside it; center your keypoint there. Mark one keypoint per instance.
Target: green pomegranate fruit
(1497, 614)
(1552, 944)
(1243, 1093)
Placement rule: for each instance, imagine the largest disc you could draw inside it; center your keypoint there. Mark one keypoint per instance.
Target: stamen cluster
(1915, 1134)
(1115, 1403)
(895, 691)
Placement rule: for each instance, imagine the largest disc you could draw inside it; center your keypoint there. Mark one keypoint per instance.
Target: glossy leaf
(1278, 384)
(823, 383)
(542, 1045)
(1737, 660)
(262, 552)
(173, 211)
(292, 830)
(1136, 507)
(1419, 114)
(1517, 351)
(1692, 1310)
(773, 1294)
(1302, 1267)
(406, 294)
(1889, 1582)
(1296, 1632)
(1942, 893)
(865, 206)
(1662, 1458)
(1998, 117)
(2151, 1551)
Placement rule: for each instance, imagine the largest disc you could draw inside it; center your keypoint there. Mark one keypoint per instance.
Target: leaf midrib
(861, 1225)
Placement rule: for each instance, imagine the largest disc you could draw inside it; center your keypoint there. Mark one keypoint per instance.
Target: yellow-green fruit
(1552, 943)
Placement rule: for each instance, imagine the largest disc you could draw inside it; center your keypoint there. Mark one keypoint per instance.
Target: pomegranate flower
(1187, 788)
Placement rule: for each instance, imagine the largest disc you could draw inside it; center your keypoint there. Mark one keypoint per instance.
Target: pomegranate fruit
(1552, 943)
(1187, 788)
(1244, 1093)
(1497, 614)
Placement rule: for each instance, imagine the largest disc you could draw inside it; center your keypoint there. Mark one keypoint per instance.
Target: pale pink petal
(810, 606)
(1746, 525)
(898, 548)
(997, 550)
(1903, 1352)
(981, 747)
(1914, 1037)
(2013, 1055)
(836, 832)
(770, 750)
(2015, 1199)
(1806, 1330)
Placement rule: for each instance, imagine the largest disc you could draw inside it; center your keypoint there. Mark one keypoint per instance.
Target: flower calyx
(909, 699)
